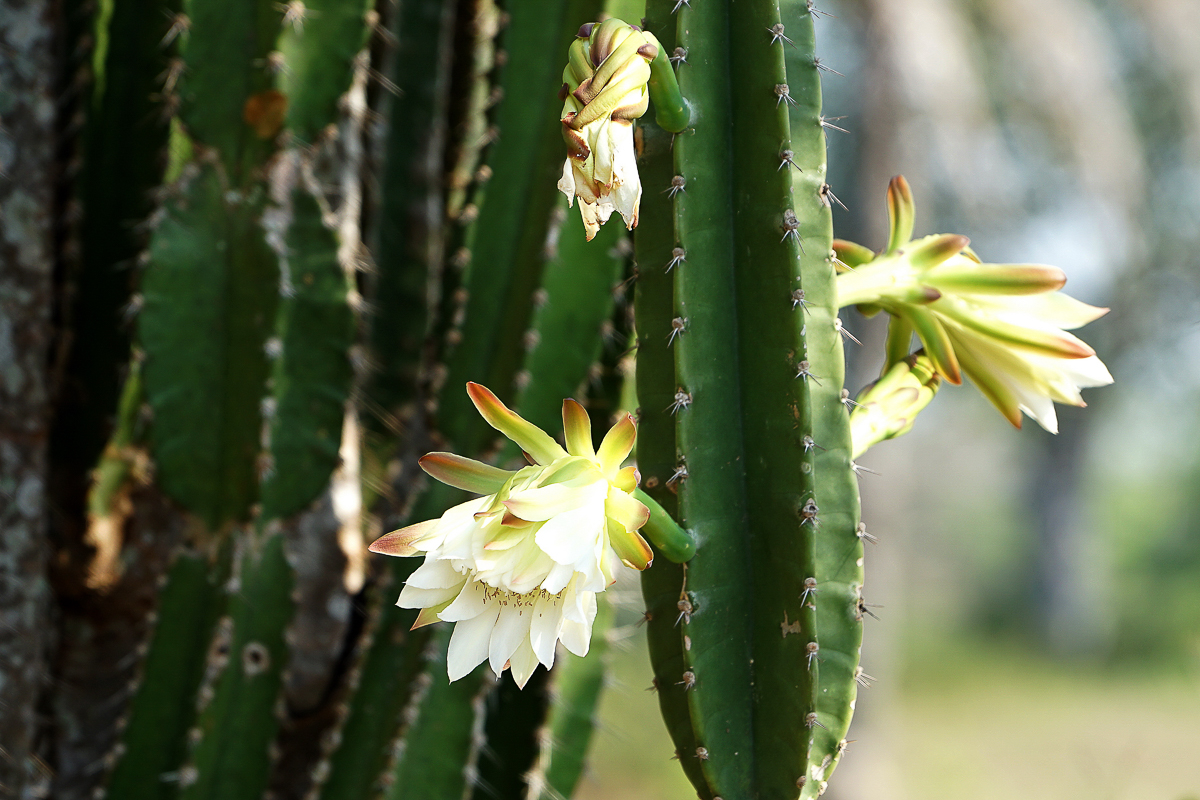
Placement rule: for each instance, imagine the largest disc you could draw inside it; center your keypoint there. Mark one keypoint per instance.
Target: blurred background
(1038, 596)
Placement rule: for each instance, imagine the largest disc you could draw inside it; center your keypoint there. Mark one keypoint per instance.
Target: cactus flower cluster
(1005, 326)
(518, 569)
(604, 90)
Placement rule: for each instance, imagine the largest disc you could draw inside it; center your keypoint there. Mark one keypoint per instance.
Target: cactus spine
(768, 655)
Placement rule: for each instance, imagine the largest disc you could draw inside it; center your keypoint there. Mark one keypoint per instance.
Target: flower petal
(625, 509)
(937, 343)
(570, 537)
(471, 602)
(464, 473)
(901, 213)
(617, 445)
(530, 438)
(469, 643)
(512, 628)
(577, 429)
(627, 479)
(435, 573)
(523, 665)
(406, 541)
(543, 628)
(630, 547)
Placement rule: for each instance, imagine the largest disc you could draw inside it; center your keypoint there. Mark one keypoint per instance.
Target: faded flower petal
(518, 570)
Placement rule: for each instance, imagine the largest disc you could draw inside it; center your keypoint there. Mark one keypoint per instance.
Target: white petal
(576, 637)
(524, 662)
(558, 578)
(434, 574)
(470, 603)
(543, 628)
(570, 537)
(413, 597)
(566, 184)
(469, 643)
(512, 628)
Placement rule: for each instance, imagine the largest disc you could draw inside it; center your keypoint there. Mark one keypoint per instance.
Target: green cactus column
(767, 624)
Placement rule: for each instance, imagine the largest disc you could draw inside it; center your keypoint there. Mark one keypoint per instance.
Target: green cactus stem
(758, 378)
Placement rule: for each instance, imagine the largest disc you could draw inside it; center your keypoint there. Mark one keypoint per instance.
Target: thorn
(702, 753)
(777, 34)
(809, 444)
(679, 56)
(791, 227)
(680, 4)
(812, 9)
(782, 95)
(810, 652)
(827, 122)
(809, 513)
(685, 610)
(859, 469)
(682, 400)
(802, 372)
(785, 158)
(837, 326)
(680, 474)
(294, 14)
(863, 679)
(817, 63)
(798, 300)
(678, 184)
(810, 588)
(688, 682)
(867, 537)
(865, 608)
(811, 720)
(848, 401)
(826, 194)
(678, 325)
(180, 23)
(678, 256)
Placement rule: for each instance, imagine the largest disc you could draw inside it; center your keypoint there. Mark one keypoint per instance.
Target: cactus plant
(276, 358)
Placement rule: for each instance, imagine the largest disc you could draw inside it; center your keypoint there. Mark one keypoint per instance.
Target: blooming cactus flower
(604, 90)
(518, 570)
(1003, 325)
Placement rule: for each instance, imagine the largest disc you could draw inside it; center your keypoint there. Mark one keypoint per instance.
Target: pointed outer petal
(558, 578)
(963, 276)
(436, 574)
(544, 627)
(577, 429)
(617, 445)
(1052, 309)
(547, 502)
(990, 384)
(464, 473)
(899, 342)
(937, 343)
(417, 597)
(470, 603)
(852, 254)
(635, 106)
(428, 616)
(512, 628)
(625, 509)
(901, 213)
(629, 546)
(610, 564)
(1040, 339)
(868, 310)
(566, 184)
(1085, 372)
(627, 479)
(579, 63)
(469, 643)
(604, 38)
(585, 614)
(577, 146)
(576, 637)
(932, 250)
(508, 537)
(522, 664)
(571, 536)
(406, 541)
(532, 439)
(971, 254)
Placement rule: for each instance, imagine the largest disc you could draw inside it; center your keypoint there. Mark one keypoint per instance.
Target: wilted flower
(518, 570)
(1003, 325)
(604, 90)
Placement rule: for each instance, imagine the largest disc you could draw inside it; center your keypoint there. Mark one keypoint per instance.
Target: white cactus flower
(518, 570)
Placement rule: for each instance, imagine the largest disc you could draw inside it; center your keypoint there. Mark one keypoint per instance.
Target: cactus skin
(839, 548)
(155, 740)
(754, 232)
(212, 271)
(311, 378)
